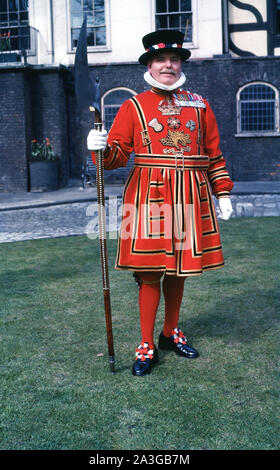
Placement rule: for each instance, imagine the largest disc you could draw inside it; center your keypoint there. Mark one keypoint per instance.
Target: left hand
(225, 207)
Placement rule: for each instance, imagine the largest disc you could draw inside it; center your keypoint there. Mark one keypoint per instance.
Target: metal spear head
(87, 93)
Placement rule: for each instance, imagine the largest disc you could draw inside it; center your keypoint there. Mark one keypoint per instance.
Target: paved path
(57, 220)
(74, 211)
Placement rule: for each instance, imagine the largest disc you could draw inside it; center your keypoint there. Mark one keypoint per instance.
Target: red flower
(161, 45)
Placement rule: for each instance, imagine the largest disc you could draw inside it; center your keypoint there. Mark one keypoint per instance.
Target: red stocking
(173, 289)
(149, 297)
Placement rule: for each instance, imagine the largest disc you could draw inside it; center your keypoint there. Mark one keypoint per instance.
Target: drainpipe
(225, 26)
(52, 31)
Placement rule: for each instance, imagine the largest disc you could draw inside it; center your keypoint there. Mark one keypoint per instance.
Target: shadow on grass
(236, 318)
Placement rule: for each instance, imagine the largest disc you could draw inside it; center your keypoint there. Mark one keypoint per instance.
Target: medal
(192, 100)
(191, 125)
(157, 126)
(173, 123)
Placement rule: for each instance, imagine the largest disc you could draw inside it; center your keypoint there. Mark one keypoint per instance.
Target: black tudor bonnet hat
(163, 40)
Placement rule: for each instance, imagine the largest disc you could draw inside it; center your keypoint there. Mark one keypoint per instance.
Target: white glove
(97, 140)
(225, 207)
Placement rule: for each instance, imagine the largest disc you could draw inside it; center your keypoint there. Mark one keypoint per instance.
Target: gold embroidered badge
(174, 138)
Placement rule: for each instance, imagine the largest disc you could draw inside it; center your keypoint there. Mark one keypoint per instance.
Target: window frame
(125, 169)
(194, 43)
(103, 48)
(240, 133)
(108, 92)
(17, 25)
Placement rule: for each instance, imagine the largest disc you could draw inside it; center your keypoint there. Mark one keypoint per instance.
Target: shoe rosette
(144, 352)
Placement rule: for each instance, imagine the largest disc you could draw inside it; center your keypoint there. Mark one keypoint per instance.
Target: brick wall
(39, 102)
(13, 162)
(49, 117)
(218, 80)
(33, 105)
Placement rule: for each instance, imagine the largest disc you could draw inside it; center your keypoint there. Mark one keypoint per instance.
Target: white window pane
(96, 24)
(175, 14)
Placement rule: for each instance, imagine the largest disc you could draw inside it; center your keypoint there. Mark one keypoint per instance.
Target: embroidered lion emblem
(174, 138)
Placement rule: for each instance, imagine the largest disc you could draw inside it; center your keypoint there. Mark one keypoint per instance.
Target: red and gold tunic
(168, 221)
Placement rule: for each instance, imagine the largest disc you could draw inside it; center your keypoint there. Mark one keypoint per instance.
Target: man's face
(165, 67)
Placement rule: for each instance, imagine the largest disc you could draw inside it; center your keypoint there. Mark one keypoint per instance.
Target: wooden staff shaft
(103, 249)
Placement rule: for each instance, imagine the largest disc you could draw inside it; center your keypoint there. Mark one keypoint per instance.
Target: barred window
(112, 102)
(96, 21)
(258, 109)
(175, 14)
(14, 25)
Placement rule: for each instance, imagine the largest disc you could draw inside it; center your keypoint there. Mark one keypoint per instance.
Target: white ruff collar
(151, 81)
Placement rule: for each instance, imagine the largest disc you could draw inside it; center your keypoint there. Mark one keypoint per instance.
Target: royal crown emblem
(168, 108)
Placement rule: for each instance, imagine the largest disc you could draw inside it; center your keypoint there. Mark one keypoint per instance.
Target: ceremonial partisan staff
(87, 95)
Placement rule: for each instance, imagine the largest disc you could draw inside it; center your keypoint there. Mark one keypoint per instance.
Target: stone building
(235, 64)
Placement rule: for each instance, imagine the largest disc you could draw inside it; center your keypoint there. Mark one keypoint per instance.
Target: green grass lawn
(57, 391)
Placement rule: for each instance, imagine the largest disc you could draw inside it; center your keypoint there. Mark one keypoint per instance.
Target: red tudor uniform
(169, 222)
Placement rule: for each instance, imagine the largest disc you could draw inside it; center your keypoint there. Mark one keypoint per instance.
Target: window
(111, 103)
(14, 25)
(175, 14)
(258, 109)
(96, 21)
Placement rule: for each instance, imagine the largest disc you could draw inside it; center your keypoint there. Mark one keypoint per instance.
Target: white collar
(151, 81)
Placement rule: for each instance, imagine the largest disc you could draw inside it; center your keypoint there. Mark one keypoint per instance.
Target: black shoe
(145, 359)
(178, 343)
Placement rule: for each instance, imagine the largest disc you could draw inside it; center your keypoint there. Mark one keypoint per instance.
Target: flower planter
(43, 175)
